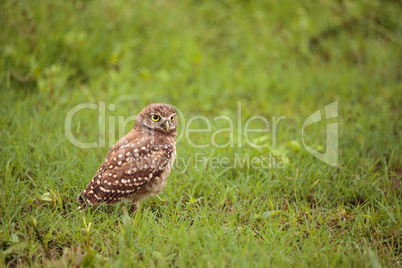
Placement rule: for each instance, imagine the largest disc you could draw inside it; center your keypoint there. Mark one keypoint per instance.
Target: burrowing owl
(138, 165)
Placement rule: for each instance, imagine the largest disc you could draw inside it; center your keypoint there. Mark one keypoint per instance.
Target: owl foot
(135, 206)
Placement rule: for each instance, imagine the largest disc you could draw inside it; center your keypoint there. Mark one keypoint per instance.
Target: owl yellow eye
(155, 117)
(172, 118)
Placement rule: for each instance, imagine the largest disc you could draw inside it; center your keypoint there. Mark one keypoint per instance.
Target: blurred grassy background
(276, 58)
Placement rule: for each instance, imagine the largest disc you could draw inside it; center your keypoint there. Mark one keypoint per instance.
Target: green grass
(277, 59)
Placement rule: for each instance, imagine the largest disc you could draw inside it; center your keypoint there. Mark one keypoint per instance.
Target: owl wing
(129, 165)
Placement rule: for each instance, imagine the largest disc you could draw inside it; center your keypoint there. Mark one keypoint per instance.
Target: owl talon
(135, 207)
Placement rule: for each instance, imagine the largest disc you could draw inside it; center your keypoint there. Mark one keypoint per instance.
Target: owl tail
(81, 200)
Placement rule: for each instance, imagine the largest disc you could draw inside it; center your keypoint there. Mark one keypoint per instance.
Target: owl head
(157, 117)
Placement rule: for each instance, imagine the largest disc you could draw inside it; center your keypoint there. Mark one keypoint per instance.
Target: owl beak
(167, 126)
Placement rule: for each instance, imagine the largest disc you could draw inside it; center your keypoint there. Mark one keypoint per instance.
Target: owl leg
(135, 206)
